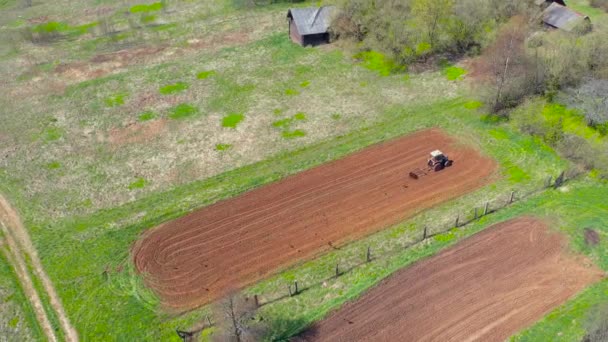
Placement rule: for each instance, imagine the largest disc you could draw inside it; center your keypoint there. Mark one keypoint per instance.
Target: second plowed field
(486, 288)
(196, 259)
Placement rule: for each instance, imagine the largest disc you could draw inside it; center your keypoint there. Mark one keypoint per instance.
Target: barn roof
(562, 17)
(312, 20)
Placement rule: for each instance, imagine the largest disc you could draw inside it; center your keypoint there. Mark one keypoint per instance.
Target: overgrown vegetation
(414, 30)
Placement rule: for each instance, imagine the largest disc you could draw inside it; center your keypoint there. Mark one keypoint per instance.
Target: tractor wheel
(438, 167)
(449, 163)
(430, 163)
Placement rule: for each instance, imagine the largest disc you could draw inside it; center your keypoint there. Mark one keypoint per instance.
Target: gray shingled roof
(561, 17)
(312, 20)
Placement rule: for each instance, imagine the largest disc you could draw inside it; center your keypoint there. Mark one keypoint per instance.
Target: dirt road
(21, 248)
(191, 261)
(486, 288)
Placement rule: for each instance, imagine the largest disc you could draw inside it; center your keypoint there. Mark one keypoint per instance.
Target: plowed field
(484, 289)
(195, 259)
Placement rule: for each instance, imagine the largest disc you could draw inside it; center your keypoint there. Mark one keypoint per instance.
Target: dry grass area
(94, 129)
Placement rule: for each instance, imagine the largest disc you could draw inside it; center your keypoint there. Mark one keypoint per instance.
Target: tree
(504, 70)
(234, 318)
(431, 16)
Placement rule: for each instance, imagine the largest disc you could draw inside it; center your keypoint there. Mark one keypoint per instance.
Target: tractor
(437, 162)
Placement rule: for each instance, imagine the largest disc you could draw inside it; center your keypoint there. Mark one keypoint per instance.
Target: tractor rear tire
(438, 167)
(449, 163)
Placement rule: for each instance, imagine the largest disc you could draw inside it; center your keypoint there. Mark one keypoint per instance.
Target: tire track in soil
(21, 246)
(192, 260)
(485, 288)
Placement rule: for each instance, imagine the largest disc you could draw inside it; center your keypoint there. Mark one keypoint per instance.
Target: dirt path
(194, 259)
(15, 259)
(485, 288)
(22, 248)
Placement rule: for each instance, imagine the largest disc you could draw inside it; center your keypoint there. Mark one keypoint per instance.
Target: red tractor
(437, 162)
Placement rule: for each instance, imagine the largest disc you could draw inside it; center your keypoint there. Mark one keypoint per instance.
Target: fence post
(485, 210)
(512, 197)
(209, 319)
(425, 233)
(369, 254)
(289, 289)
(475, 213)
(337, 271)
(457, 221)
(255, 299)
(296, 287)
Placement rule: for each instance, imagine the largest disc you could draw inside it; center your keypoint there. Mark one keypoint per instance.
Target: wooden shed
(564, 18)
(310, 26)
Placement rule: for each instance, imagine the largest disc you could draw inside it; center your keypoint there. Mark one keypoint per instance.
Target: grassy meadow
(107, 135)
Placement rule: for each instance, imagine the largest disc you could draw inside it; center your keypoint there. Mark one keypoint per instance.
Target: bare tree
(234, 318)
(504, 69)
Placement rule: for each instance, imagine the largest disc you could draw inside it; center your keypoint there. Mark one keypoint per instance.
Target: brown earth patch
(192, 260)
(485, 288)
(136, 132)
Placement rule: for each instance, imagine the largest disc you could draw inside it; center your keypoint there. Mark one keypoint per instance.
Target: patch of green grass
(232, 120)
(143, 8)
(50, 27)
(300, 116)
(140, 183)
(223, 147)
(115, 100)
(291, 92)
(305, 84)
(376, 61)
(336, 116)
(183, 111)
(147, 116)
(447, 237)
(283, 123)
(52, 134)
(173, 88)
(203, 75)
(53, 165)
(298, 133)
(454, 73)
(473, 105)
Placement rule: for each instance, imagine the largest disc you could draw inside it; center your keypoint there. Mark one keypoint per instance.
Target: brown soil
(190, 261)
(483, 289)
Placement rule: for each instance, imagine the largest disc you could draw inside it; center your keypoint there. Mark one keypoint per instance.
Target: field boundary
(21, 249)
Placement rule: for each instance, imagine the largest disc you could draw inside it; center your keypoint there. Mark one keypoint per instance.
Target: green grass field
(92, 161)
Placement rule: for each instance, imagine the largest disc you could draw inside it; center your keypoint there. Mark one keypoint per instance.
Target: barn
(564, 18)
(310, 26)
